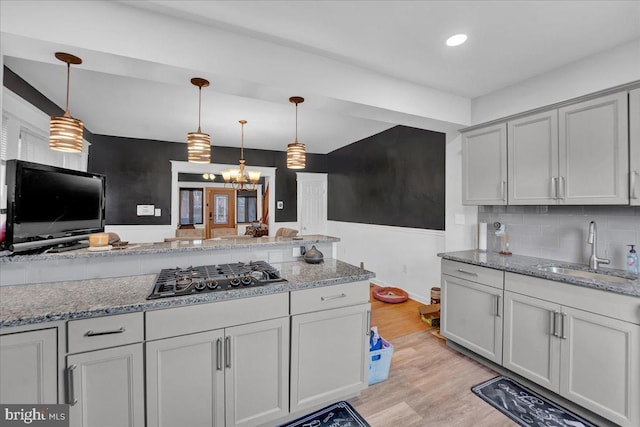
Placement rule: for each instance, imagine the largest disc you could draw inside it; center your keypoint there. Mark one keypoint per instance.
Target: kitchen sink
(583, 274)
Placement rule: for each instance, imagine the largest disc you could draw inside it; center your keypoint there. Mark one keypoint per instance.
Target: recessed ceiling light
(456, 40)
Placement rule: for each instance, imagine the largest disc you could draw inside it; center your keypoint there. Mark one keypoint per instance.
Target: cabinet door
(600, 365)
(28, 371)
(329, 351)
(257, 372)
(594, 151)
(531, 339)
(484, 166)
(472, 316)
(185, 381)
(634, 146)
(108, 387)
(533, 159)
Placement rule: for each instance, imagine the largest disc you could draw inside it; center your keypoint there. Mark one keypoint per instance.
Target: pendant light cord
(199, 106)
(296, 122)
(242, 142)
(66, 110)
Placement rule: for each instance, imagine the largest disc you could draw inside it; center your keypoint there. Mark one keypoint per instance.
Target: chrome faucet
(593, 240)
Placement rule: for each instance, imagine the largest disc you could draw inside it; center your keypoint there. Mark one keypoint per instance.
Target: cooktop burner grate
(213, 278)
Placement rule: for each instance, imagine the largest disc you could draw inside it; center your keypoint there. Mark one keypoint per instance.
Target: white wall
(614, 67)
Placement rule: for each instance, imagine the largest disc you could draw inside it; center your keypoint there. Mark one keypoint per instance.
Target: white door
(329, 355)
(472, 316)
(634, 146)
(531, 339)
(600, 365)
(108, 386)
(257, 372)
(533, 159)
(594, 151)
(484, 166)
(185, 381)
(312, 202)
(28, 370)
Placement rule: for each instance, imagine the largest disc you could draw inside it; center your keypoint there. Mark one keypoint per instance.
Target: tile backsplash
(560, 232)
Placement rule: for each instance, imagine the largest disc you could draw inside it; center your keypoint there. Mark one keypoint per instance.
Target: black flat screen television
(51, 206)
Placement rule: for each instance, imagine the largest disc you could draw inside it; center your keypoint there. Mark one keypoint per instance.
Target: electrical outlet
(297, 251)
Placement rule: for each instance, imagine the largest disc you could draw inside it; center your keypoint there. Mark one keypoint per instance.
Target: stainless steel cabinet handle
(368, 330)
(69, 392)
(470, 273)
(554, 323)
(497, 305)
(554, 187)
(219, 354)
(95, 334)
(633, 186)
(562, 186)
(332, 297)
(227, 351)
(563, 335)
(503, 186)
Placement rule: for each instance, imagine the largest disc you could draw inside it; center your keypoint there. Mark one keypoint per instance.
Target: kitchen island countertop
(528, 266)
(45, 302)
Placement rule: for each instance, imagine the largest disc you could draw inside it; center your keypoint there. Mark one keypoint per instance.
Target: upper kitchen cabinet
(634, 146)
(533, 159)
(594, 154)
(484, 166)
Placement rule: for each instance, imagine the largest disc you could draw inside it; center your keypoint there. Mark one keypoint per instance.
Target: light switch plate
(279, 204)
(145, 210)
(158, 212)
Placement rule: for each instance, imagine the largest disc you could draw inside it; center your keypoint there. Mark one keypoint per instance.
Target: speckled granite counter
(44, 302)
(528, 266)
(179, 246)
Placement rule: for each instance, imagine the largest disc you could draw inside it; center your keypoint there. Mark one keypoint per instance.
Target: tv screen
(47, 205)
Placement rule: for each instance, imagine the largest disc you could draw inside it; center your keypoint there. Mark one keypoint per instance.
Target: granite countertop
(46, 302)
(195, 245)
(529, 266)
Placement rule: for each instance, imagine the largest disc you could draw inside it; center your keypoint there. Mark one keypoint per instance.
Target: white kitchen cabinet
(533, 159)
(634, 146)
(236, 376)
(28, 367)
(106, 387)
(554, 338)
(594, 151)
(484, 166)
(329, 355)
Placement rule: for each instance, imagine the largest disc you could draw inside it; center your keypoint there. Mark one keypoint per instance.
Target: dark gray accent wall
(396, 177)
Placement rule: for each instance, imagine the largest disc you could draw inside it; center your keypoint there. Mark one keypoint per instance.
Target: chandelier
(296, 152)
(239, 178)
(199, 143)
(65, 132)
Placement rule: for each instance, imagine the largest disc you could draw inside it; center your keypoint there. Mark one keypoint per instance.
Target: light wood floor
(429, 383)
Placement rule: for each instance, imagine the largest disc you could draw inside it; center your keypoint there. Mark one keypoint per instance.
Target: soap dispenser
(632, 260)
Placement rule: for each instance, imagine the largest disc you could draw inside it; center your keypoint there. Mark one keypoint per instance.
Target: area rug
(524, 406)
(339, 414)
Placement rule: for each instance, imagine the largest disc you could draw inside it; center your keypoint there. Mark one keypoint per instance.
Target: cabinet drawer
(474, 273)
(327, 297)
(103, 332)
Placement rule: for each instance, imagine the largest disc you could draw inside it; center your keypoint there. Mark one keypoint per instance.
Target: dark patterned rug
(339, 414)
(524, 406)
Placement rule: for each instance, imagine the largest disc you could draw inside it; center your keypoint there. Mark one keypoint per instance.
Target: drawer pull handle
(69, 392)
(497, 305)
(96, 334)
(564, 335)
(227, 351)
(554, 323)
(333, 297)
(219, 354)
(470, 273)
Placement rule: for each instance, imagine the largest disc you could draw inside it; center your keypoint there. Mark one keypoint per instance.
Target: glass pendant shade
(296, 152)
(65, 132)
(199, 143)
(296, 156)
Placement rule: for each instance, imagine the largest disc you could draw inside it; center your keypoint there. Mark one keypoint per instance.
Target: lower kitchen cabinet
(235, 376)
(105, 388)
(588, 358)
(471, 316)
(28, 367)
(329, 355)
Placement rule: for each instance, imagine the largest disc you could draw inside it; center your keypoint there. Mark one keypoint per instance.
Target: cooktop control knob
(200, 285)
(235, 282)
(246, 280)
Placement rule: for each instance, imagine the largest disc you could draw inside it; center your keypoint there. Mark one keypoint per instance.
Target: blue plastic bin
(380, 362)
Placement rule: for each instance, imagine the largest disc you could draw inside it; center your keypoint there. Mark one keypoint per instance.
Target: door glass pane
(221, 205)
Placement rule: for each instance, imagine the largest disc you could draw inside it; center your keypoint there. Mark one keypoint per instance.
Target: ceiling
(509, 42)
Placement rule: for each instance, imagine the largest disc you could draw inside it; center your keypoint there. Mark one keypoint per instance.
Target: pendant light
(65, 132)
(199, 143)
(296, 152)
(239, 178)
